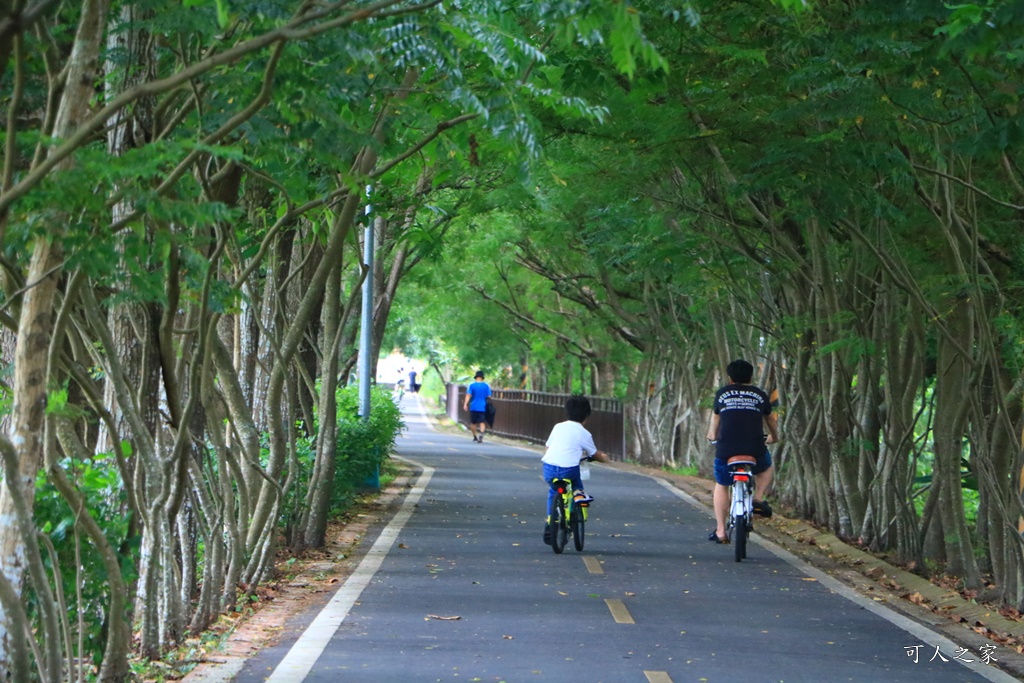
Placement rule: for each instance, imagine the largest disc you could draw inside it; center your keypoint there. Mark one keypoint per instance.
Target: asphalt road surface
(460, 587)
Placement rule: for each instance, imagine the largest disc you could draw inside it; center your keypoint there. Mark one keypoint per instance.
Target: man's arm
(771, 421)
(713, 427)
(465, 404)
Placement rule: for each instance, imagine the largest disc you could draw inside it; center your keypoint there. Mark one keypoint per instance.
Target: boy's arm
(601, 456)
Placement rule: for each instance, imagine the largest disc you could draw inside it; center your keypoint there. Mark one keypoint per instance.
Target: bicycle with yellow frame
(568, 517)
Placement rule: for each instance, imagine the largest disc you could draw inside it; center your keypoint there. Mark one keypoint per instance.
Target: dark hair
(740, 371)
(578, 408)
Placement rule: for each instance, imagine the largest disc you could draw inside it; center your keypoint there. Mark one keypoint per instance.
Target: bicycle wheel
(739, 537)
(559, 526)
(577, 524)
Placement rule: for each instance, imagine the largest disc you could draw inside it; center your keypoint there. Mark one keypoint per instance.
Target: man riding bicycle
(742, 412)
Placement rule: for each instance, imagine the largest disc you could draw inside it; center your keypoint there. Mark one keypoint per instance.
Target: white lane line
(300, 659)
(923, 633)
(421, 417)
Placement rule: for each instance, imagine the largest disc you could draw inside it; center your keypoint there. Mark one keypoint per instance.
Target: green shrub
(363, 444)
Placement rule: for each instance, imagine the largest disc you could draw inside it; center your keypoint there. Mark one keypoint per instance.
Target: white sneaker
(582, 498)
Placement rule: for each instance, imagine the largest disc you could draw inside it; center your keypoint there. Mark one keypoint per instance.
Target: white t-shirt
(568, 442)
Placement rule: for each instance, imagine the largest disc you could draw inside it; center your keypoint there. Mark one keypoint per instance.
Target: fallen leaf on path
(509, 637)
(440, 618)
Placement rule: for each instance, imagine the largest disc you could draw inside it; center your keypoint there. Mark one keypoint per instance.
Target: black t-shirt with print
(741, 409)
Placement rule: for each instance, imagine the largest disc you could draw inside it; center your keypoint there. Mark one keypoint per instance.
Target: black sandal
(713, 537)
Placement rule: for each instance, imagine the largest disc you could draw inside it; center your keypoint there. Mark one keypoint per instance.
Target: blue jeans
(724, 477)
(552, 472)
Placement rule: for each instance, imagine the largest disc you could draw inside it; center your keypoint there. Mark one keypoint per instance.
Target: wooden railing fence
(530, 415)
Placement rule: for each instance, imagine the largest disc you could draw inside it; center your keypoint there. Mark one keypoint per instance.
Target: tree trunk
(952, 384)
(33, 337)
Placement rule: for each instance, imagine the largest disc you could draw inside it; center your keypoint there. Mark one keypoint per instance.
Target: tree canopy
(619, 197)
(832, 192)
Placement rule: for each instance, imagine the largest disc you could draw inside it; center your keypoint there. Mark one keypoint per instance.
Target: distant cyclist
(742, 412)
(568, 443)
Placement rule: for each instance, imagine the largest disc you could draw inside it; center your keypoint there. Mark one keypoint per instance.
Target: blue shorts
(477, 416)
(724, 477)
(552, 472)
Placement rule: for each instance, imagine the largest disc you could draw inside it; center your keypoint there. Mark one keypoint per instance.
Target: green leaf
(223, 14)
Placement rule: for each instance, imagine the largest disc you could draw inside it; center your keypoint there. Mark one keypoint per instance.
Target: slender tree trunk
(30, 360)
(952, 384)
(322, 480)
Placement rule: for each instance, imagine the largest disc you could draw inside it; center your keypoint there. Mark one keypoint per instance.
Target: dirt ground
(308, 582)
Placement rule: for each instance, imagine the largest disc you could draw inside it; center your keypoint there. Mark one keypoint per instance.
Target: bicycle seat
(560, 485)
(736, 460)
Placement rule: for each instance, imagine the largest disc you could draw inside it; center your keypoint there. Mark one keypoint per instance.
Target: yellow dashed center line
(657, 677)
(593, 566)
(619, 611)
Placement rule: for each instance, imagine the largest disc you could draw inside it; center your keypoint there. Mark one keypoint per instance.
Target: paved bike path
(462, 588)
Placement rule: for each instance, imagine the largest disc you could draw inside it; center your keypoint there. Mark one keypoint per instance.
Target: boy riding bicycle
(567, 444)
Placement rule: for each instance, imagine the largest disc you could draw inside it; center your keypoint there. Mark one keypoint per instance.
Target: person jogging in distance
(742, 412)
